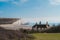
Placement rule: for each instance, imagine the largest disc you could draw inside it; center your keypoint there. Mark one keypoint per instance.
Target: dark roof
(40, 25)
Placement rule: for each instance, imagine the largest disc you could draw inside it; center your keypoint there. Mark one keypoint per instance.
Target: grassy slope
(47, 36)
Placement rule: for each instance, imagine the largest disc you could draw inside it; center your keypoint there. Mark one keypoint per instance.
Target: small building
(40, 26)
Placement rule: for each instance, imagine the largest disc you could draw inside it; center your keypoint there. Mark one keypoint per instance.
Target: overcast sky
(31, 10)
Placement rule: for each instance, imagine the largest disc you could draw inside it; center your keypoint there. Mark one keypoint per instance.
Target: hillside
(6, 34)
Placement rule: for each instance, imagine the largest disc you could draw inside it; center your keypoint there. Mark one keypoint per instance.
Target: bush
(6, 34)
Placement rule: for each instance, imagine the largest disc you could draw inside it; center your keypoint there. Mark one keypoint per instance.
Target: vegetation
(46, 36)
(51, 29)
(6, 34)
(52, 33)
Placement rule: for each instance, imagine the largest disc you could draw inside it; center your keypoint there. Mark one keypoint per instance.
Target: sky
(31, 10)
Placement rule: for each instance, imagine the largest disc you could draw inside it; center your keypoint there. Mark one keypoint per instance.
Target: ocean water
(51, 24)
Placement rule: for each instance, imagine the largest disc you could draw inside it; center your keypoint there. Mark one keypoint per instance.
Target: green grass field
(46, 36)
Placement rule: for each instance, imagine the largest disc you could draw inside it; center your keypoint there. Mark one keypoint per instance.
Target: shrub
(6, 34)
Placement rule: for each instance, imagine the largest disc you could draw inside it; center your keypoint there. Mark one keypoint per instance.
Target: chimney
(40, 23)
(47, 24)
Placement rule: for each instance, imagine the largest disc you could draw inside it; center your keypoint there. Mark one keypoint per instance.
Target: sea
(51, 24)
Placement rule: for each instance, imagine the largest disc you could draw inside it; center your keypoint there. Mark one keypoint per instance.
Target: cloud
(43, 19)
(23, 1)
(17, 2)
(54, 2)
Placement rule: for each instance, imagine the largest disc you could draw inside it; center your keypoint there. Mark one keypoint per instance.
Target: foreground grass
(46, 36)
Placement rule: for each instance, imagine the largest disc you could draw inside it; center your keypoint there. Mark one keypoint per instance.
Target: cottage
(40, 26)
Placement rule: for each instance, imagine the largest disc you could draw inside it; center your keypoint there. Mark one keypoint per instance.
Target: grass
(46, 36)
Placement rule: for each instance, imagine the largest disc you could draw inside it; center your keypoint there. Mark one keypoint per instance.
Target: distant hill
(8, 20)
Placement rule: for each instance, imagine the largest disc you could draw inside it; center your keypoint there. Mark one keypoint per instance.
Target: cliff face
(8, 20)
